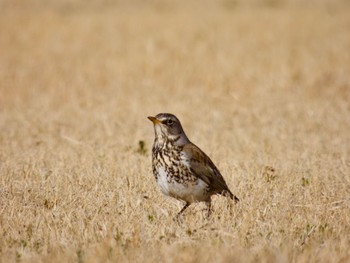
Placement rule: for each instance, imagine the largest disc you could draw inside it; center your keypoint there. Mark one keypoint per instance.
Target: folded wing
(201, 165)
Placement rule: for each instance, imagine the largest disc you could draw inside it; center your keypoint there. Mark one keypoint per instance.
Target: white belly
(189, 192)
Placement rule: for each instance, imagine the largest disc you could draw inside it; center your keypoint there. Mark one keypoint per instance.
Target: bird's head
(168, 127)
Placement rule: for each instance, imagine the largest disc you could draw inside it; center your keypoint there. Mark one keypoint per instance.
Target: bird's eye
(169, 122)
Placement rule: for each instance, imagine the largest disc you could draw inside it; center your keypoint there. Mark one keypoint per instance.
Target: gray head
(168, 127)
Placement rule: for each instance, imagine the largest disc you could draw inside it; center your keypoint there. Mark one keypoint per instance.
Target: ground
(263, 87)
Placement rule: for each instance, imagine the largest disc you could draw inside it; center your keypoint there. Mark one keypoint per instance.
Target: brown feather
(203, 167)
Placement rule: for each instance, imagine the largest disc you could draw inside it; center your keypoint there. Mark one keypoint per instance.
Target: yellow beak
(154, 120)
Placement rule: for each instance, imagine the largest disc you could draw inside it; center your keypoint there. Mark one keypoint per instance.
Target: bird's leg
(182, 210)
(208, 208)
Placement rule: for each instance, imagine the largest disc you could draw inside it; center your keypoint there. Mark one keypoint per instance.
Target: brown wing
(204, 168)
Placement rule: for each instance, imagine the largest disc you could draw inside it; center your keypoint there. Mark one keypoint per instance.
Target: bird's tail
(231, 195)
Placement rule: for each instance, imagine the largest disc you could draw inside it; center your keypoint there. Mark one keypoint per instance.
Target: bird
(181, 169)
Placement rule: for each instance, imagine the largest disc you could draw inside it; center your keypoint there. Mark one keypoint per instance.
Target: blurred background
(116, 62)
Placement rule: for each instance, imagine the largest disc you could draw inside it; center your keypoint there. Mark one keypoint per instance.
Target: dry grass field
(263, 87)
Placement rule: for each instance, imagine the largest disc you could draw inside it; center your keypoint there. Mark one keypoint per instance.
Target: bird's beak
(154, 120)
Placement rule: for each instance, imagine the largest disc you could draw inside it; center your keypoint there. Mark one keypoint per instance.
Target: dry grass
(263, 87)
